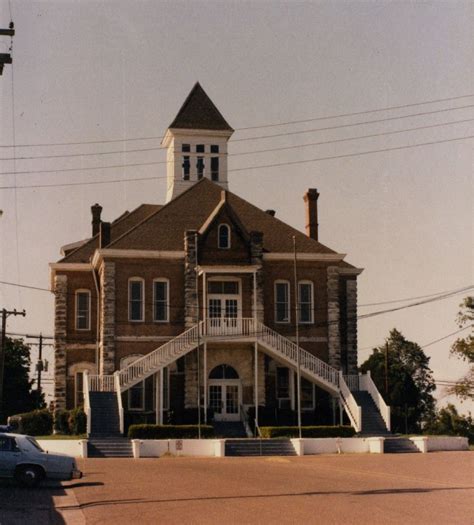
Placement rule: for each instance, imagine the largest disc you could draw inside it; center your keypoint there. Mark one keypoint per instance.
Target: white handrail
(310, 364)
(87, 403)
(101, 383)
(352, 381)
(353, 410)
(119, 401)
(367, 384)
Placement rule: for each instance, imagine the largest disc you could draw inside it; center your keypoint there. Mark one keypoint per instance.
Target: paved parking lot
(348, 489)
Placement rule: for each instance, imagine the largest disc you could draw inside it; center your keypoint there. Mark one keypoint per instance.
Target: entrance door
(224, 400)
(224, 307)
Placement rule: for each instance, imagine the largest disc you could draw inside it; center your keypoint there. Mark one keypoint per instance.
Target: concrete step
(255, 447)
(394, 445)
(108, 447)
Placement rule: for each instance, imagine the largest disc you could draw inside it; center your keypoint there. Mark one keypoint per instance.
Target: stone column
(190, 380)
(256, 256)
(107, 319)
(190, 276)
(60, 331)
(351, 308)
(334, 334)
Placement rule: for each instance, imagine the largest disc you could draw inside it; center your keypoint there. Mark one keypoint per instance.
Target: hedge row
(169, 431)
(307, 432)
(35, 423)
(71, 422)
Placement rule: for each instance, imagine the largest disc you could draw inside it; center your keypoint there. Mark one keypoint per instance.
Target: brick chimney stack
(96, 210)
(104, 237)
(311, 200)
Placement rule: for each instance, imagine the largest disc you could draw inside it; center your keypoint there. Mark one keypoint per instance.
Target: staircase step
(256, 447)
(394, 445)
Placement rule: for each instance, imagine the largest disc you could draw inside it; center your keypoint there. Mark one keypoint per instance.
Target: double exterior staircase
(259, 447)
(273, 343)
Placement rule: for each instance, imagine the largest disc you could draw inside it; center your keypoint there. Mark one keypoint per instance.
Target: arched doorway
(225, 393)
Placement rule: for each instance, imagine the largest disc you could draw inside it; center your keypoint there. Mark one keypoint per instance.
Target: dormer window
(223, 237)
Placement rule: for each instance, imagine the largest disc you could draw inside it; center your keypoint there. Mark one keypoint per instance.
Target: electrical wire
(234, 170)
(253, 152)
(388, 108)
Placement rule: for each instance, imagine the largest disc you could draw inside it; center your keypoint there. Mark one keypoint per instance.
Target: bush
(307, 432)
(169, 431)
(35, 423)
(77, 421)
(61, 422)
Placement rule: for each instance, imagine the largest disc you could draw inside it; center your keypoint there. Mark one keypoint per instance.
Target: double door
(224, 400)
(223, 315)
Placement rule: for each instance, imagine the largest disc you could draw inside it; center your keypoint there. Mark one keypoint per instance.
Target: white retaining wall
(150, 448)
(72, 447)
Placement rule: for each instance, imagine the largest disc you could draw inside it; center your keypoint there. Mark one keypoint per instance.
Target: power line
(114, 181)
(339, 126)
(238, 154)
(388, 108)
(402, 300)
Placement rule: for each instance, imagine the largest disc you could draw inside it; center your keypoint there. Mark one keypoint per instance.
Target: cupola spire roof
(199, 112)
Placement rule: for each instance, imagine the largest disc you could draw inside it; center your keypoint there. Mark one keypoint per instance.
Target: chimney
(104, 237)
(311, 200)
(270, 212)
(96, 211)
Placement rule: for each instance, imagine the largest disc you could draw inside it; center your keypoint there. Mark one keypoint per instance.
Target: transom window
(200, 148)
(223, 372)
(223, 241)
(185, 148)
(136, 299)
(223, 287)
(160, 300)
(305, 302)
(282, 302)
(83, 306)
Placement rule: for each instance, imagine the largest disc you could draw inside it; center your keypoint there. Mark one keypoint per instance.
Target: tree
(463, 348)
(449, 422)
(410, 382)
(18, 395)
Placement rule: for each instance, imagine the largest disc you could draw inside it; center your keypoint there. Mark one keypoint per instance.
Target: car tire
(29, 476)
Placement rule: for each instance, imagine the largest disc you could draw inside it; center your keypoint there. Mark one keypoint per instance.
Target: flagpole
(298, 366)
(198, 339)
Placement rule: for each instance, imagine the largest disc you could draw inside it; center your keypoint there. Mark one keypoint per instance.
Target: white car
(22, 458)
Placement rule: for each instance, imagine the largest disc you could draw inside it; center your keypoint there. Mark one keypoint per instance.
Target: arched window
(223, 372)
(223, 237)
(77, 372)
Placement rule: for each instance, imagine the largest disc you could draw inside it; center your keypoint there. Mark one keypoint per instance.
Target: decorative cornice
(304, 256)
(251, 268)
(350, 271)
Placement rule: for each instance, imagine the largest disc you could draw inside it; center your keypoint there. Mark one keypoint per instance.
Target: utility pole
(297, 333)
(5, 314)
(39, 366)
(386, 369)
(6, 58)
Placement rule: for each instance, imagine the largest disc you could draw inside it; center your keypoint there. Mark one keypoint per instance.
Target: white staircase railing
(318, 370)
(103, 383)
(367, 384)
(87, 403)
(119, 401)
(159, 358)
(352, 381)
(353, 410)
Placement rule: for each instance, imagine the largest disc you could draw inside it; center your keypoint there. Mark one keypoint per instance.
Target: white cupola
(197, 144)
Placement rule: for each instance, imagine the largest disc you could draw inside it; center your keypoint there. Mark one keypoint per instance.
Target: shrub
(307, 432)
(169, 431)
(77, 421)
(61, 422)
(35, 423)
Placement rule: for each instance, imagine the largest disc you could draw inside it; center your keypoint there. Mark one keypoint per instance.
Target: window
(135, 394)
(214, 148)
(161, 300)
(223, 234)
(83, 310)
(200, 167)
(305, 300)
(282, 302)
(186, 167)
(200, 148)
(185, 148)
(215, 168)
(283, 383)
(136, 301)
(223, 287)
(307, 394)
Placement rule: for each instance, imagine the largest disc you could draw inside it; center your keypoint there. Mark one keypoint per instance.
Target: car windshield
(34, 443)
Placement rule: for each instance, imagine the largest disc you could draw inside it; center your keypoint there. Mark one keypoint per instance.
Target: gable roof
(164, 229)
(199, 112)
(118, 227)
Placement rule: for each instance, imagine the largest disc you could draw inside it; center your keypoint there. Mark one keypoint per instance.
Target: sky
(87, 71)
